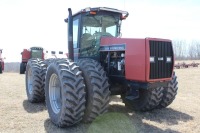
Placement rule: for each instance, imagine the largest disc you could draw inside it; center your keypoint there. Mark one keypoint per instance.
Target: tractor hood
(146, 60)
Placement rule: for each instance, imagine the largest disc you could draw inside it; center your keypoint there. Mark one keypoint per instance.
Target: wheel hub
(55, 93)
(30, 81)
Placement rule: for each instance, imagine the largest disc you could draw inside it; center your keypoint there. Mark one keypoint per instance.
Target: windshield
(95, 27)
(100, 23)
(36, 53)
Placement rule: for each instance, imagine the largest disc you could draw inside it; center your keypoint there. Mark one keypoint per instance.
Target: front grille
(160, 51)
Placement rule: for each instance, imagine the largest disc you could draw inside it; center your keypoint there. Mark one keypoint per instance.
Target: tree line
(184, 50)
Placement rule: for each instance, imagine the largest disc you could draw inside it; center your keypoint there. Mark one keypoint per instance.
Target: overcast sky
(26, 23)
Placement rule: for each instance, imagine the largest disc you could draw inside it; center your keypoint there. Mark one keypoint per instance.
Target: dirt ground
(183, 115)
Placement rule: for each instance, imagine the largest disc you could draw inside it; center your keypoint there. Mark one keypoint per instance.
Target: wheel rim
(55, 93)
(30, 81)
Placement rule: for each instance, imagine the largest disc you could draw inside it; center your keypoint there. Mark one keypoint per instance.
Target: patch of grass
(112, 122)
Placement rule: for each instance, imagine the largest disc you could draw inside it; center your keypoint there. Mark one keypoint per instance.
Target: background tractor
(33, 52)
(38, 52)
(101, 64)
(1, 62)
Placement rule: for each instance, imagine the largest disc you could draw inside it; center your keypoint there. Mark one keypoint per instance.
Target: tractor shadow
(168, 116)
(34, 107)
(165, 116)
(78, 128)
(120, 118)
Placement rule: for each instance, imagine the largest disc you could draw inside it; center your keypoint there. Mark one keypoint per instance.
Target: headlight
(169, 59)
(152, 59)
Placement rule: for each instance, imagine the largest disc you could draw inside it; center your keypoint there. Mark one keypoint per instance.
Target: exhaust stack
(70, 35)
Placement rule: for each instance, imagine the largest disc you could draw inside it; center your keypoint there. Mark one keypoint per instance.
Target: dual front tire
(152, 98)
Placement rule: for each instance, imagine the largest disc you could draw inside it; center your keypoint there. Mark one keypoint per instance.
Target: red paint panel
(137, 55)
(26, 55)
(42, 55)
(134, 56)
(2, 64)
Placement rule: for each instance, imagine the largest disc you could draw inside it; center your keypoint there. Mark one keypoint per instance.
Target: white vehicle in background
(51, 54)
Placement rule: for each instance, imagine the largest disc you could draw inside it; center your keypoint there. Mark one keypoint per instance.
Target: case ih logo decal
(115, 47)
(160, 58)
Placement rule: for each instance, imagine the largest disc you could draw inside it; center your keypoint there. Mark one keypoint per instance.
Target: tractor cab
(89, 25)
(36, 52)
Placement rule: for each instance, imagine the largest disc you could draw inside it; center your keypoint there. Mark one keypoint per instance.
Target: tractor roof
(96, 9)
(88, 9)
(36, 48)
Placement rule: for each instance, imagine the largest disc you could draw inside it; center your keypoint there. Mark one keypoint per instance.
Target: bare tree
(195, 49)
(198, 50)
(180, 49)
(191, 52)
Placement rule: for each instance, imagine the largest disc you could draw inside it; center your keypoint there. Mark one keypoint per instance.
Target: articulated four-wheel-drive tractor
(1, 62)
(101, 64)
(33, 52)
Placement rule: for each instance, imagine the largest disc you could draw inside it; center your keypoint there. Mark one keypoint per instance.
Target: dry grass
(188, 61)
(18, 115)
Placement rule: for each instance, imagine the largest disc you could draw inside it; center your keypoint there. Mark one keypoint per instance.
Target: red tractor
(33, 52)
(1, 62)
(101, 64)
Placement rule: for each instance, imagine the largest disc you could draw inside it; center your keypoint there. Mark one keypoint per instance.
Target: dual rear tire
(35, 78)
(67, 88)
(97, 89)
(65, 93)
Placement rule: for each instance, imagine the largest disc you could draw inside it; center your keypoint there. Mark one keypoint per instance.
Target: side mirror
(66, 20)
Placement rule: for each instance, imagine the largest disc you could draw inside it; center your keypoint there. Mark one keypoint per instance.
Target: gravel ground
(183, 115)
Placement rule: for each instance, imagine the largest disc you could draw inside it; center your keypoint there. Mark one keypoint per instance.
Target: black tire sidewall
(30, 96)
(54, 117)
(22, 68)
(89, 93)
(37, 71)
(97, 99)
(0, 68)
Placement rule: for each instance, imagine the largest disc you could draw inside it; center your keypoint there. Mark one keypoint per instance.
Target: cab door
(76, 34)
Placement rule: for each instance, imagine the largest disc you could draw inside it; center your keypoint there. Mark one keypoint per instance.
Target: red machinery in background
(1, 62)
(33, 52)
(38, 52)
